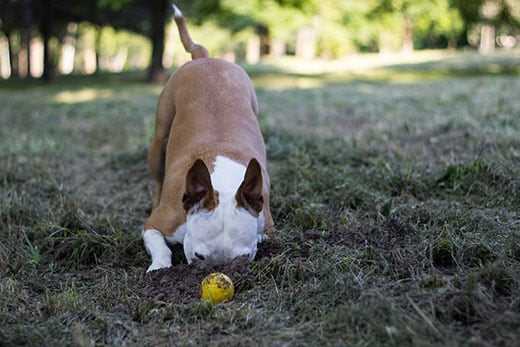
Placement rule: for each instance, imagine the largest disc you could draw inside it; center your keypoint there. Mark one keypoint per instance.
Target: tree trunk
(119, 61)
(12, 62)
(253, 50)
(22, 61)
(487, 39)
(46, 31)
(306, 43)
(89, 61)
(278, 48)
(27, 45)
(452, 43)
(5, 69)
(36, 57)
(92, 54)
(97, 48)
(407, 35)
(68, 50)
(489, 11)
(27, 18)
(158, 11)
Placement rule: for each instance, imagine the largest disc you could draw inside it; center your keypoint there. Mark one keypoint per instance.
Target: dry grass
(396, 197)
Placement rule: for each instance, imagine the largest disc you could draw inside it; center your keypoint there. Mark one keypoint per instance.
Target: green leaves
(113, 4)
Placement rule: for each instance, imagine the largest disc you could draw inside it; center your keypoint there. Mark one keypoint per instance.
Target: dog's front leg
(156, 246)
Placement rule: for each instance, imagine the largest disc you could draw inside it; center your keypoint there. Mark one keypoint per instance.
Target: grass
(396, 198)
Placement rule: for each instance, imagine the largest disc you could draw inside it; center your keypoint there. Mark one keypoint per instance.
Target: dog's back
(216, 107)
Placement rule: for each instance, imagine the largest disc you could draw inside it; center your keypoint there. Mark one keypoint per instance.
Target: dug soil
(181, 282)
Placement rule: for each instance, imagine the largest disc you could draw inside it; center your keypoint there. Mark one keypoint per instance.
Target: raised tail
(197, 51)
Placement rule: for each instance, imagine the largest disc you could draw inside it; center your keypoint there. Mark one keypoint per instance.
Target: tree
(159, 10)
(27, 33)
(271, 20)
(414, 17)
(46, 29)
(490, 16)
(9, 10)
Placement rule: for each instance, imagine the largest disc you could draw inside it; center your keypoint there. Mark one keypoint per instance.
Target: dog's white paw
(157, 248)
(159, 265)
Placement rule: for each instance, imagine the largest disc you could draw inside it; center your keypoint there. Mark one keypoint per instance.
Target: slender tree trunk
(97, 47)
(452, 43)
(487, 39)
(306, 40)
(407, 35)
(253, 50)
(89, 61)
(46, 30)
(36, 57)
(5, 69)
(93, 67)
(158, 10)
(278, 48)
(27, 44)
(10, 47)
(489, 11)
(27, 18)
(68, 49)
(22, 61)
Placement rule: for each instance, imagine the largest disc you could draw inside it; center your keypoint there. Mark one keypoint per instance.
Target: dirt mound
(181, 282)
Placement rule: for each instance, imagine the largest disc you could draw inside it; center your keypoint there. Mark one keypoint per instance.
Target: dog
(208, 162)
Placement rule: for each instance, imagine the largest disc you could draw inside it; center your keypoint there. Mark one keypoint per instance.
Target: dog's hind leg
(157, 150)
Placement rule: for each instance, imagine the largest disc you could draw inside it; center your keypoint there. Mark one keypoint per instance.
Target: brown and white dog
(208, 161)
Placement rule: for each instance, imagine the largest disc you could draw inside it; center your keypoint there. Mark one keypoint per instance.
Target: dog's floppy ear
(198, 187)
(249, 194)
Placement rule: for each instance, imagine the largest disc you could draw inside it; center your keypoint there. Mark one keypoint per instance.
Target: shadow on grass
(462, 65)
(76, 81)
(380, 239)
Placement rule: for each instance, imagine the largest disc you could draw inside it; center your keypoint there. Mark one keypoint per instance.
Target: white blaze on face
(228, 231)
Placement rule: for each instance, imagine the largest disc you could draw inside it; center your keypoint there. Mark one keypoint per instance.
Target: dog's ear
(249, 194)
(198, 188)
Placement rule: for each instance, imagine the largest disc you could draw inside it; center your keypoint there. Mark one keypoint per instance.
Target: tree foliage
(339, 26)
(423, 19)
(497, 12)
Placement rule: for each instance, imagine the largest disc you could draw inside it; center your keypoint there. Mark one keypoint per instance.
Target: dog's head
(224, 211)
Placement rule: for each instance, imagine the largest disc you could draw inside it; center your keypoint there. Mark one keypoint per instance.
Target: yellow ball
(217, 288)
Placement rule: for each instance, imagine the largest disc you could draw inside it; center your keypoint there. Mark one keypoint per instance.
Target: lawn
(395, 193)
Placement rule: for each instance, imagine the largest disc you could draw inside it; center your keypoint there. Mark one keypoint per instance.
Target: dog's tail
(197, 51)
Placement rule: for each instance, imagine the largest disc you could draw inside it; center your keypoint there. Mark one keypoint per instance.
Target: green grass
(396, 195)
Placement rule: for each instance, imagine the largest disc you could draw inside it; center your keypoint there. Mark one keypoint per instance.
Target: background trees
(487, 18)
(125, 34)
(416, 23)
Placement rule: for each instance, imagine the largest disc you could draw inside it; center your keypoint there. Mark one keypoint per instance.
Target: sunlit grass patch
(419, 67)
(83, 95)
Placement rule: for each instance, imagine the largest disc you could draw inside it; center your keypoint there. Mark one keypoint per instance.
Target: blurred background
(47, 38)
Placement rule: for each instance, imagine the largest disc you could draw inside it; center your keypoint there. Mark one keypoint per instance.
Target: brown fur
(207, 108)
(249, 194)
(197, 51)
(199, 190)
